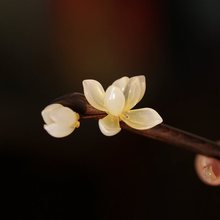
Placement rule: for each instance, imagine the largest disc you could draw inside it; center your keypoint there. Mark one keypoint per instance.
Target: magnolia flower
(60, 121)
(117, 101)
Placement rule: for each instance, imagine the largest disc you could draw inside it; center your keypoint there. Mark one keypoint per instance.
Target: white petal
(58, 131)
(64, 116)
(134, 91)
(142, 81)
(114, 100)
(109, 125)
(94, 93)
(46, 112)
(142, 119)
(121, 83)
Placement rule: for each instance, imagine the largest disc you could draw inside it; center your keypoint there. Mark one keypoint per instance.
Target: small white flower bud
(60, 121)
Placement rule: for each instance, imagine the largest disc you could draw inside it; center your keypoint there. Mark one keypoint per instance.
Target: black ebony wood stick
(162, 132)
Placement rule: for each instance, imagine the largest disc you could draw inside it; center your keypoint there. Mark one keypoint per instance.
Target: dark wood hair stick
(162, 132)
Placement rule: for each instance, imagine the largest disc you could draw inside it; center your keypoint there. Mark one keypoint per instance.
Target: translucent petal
(114, 100)
(64, 116)
(142, 83)
(94, 93)
(132, 93)
(142, 119)
(121, 83)
(109, 125)
(46, 112)
(58, 131)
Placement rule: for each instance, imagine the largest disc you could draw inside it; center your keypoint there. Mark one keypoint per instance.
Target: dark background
(47, 48)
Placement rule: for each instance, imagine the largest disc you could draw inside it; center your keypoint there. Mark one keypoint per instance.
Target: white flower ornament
(117, 102)
(60, 121)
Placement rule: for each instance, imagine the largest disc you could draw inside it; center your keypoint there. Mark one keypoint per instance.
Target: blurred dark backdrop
(47, 48)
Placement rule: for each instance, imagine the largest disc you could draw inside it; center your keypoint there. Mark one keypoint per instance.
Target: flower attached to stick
(60, 121)
(117, 101)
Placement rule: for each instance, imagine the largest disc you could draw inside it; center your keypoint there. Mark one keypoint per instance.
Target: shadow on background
(47, 48)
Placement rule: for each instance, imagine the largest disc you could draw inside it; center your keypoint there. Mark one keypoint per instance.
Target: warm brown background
(47, 48)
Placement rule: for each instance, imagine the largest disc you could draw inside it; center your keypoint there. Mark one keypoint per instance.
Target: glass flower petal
(46, 112)
(133, 92)
(114, 100)
(121, 83)
(109, 125)
(94, 93)
(141, 119)
(64, 116)
(58, 131)
(142, 83)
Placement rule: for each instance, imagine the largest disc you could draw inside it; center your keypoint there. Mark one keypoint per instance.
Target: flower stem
(162, 132)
